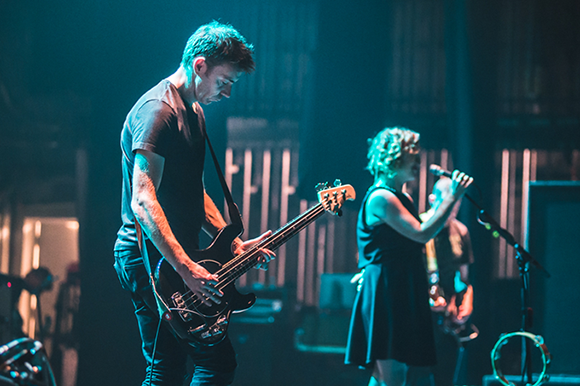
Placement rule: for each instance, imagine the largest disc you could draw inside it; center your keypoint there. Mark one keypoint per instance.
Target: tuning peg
(337, 183)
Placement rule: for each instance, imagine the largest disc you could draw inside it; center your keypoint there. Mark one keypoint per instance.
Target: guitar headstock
(332, 197)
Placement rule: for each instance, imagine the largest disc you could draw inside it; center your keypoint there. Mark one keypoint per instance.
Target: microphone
(439, 171)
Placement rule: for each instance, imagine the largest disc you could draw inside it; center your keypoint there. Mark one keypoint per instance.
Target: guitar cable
(150, 375)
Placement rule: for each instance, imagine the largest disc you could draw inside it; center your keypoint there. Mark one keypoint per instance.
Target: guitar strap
(432, 270)
(431, 255)
(432, 265)
(235, 216)
(233, 211)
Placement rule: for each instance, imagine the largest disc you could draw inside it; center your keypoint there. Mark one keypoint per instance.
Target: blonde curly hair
(387, 147)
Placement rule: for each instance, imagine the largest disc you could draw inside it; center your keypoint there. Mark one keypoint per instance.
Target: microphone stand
(523, 258)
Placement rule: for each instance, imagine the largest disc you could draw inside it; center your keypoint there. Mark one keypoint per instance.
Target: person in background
(448, 257)
(66, 337)
(36, 281)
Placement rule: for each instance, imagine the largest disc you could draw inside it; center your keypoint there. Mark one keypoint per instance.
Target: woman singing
(390, 328)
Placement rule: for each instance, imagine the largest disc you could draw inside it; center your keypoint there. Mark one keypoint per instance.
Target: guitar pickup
(213, 331)
(222, 320)
(207, 335)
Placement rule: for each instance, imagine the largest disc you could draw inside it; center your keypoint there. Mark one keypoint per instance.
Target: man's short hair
(219, 44)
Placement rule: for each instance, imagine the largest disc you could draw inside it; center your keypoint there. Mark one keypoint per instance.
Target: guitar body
(190, 318)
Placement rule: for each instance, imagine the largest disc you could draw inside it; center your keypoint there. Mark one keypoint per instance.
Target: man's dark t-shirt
(160, 122)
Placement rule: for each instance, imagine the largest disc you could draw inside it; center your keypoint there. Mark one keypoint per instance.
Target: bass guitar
(195, 321)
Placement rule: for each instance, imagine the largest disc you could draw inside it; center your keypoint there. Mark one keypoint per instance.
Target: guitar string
(236, 259)
(244, 264)
(250, 257)
(245, 261)
(335, 199)
(274, 239)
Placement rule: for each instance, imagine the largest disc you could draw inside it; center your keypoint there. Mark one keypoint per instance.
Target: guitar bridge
(182, 310)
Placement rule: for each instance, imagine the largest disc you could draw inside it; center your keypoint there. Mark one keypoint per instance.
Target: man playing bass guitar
(163, 146)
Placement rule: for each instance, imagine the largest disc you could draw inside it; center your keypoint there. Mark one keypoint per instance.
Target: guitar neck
(242, 263)
(290, 230)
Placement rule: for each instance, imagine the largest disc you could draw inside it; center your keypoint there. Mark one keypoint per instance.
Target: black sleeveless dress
(391, 317)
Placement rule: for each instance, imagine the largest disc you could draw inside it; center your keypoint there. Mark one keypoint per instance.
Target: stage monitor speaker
(255, 346)
(260, 338)
(336, 291)
(553, 239)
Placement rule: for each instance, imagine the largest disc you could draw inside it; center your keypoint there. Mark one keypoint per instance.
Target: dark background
(470, 76)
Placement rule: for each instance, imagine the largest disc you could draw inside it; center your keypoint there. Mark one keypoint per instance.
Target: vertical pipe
(287, 190)
(27, 245)
(445, 159)
(330, 240)
(320, 256)
(511, 226)
(309, 274)
(246, 200)
(525, 194)
(5, 253)
(531, 161)
(247, 192)
(301, 273)
(505, 168)
(423, 182)
(29, 230)
(266, 171)
(533, 164)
